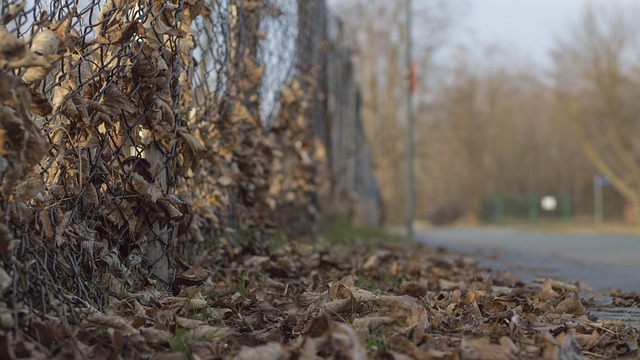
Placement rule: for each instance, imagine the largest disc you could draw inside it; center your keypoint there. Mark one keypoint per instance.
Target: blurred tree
(491, 129)
(378, 32)
(597, 87)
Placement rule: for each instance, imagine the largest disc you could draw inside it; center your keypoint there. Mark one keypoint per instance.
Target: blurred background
(525, 111)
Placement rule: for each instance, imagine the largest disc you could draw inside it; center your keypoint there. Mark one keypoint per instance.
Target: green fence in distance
(527, 208)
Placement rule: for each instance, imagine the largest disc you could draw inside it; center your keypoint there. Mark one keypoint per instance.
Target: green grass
(180, 342)
(376, 340)
(343, 230)
(277, 241)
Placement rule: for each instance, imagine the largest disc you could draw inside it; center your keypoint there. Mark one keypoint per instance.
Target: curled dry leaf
(224, 180)
(563, 347)
(367, 324)
(5, 281)
(338, 340)
(39, 104)
(156, 336)
(207, 332)
(14, 10)
(406, 346)
(557, 285)
(116, 100)
(547, 290)
(188, 323)
(120, 33)
(209, 350)
(14, 53)
(45, 45)
(483, 349)
(571, 305)
(372, 263)
(113, 322)
(338, 306)
(270, 351)
(408, 310)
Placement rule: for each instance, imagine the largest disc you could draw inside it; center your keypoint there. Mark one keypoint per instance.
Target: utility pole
(410, 90)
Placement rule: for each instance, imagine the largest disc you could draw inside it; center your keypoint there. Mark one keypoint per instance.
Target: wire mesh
(136, 133)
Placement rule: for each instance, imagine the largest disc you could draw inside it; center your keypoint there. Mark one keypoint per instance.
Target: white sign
(548, 203)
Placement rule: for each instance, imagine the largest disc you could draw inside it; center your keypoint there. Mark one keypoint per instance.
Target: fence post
(410, 90)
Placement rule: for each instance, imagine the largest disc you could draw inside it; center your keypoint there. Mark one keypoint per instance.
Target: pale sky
(530, 25)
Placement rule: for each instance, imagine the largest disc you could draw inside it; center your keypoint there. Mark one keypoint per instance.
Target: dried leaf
(571, 305)
(270, 351)
(45, 45)
(482, 349)
(208, 332)
(3, 136)
(13, 12)
(45, 219)
(114, 322)
(120, 33)
(39, 104)
(407, 309)
(224, 180)
(113, 98)
(188, 323)
(5, 281)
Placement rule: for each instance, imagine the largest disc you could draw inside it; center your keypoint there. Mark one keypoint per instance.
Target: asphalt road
(598, 262)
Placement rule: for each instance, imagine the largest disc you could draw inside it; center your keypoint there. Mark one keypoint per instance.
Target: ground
(349, 294)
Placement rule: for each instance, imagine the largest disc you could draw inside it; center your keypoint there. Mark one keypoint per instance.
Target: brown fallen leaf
(563, 347)
(556, 284)
(45, 45)
(408, 310)
(209, 350)
(270, 351)
(483, 349)
(587, 341)
(367, 324)
(339, 340)
(571, 305)
(207, 332)
(407, 347)
(113, 322)
(120, 33)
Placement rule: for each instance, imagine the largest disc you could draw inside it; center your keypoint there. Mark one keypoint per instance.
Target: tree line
(490, 121)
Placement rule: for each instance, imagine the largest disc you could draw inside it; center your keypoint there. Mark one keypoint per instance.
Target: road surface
(598, 262)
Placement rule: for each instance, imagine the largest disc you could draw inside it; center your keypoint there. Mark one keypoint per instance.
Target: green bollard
(566, 208)
(533, 209)
(499, 210)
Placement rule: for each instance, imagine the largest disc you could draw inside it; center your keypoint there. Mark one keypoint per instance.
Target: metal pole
(410, 192)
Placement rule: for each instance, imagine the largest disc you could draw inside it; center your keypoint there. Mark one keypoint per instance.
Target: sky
(532, 26)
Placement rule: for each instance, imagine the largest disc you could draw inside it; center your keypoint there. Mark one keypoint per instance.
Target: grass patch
(277, 241)
(344, 231)
(180, 342)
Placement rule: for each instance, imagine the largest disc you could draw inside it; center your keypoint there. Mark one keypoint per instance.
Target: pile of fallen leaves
(347, 300)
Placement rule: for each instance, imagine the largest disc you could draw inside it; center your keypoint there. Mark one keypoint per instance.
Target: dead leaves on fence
(129, 157)
(22, 145)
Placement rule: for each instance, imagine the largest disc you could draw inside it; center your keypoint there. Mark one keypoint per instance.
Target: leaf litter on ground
(328, 299)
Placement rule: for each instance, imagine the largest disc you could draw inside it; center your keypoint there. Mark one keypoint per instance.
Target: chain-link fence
(134, 133)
